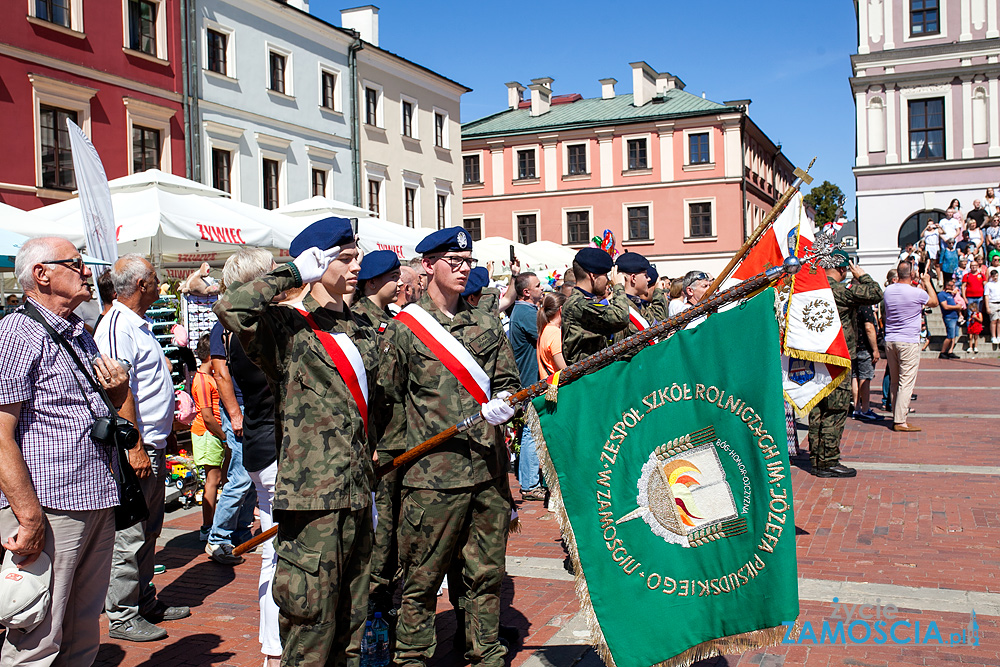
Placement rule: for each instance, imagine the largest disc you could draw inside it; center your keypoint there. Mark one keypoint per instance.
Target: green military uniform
(390, 431)
(651, 311)
(456, 499)
(322, 496)
(660, 302)
(588, 324)
(828, 418)
(490, 300)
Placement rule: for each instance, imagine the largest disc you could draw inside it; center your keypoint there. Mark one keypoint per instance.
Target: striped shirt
(68, 469)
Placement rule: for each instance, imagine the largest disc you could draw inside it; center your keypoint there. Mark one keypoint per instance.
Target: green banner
(676, 493)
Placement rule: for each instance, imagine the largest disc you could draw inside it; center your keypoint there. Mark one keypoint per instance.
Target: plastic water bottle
(368, 641)
(381, 641)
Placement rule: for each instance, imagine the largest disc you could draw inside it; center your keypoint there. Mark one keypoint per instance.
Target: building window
(638, 223)
(442, 211)
(527, 229)
(576, 159)
(410, 201)
(328, 83)
(54, 11)
(145, 148)
(277, 68)
(373, 194)
(475, 228)
(927, 129)
(526, 164)
(142, 26)
(700, 219)
(577, 226)
(271, 168)
(407, 119)
(57, 159)
(470, 164)
(698, 148)
(371, 106)
(439, 126)
(319, 182)
(637, 154)
(221, 170)
(217, 51)
(924, 18)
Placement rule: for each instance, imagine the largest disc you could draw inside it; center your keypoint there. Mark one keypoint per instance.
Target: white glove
(313, 262)
(498, 410)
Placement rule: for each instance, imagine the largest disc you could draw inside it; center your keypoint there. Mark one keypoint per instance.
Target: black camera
(115, 431)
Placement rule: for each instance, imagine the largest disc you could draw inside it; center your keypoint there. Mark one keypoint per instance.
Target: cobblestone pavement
(919, 527)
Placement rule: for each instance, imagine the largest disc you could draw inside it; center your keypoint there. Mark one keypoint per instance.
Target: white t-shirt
(992, 291)
(124, 335)
(952, 228)
(932, 243)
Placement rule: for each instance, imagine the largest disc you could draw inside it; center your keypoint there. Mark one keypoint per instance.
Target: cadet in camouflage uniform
(456, 499)
(588, 320)
(322, 500)
(657, 294)
(635, 269)
(379, 281)
(828, 418)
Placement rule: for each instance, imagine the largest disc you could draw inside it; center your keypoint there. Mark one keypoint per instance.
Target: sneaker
(136, 629)
(203, 533)
(538, 493)
(223, 554)
(869, 415)
(952, 355)
(161, 612)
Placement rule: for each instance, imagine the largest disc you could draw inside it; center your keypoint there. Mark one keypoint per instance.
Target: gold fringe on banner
(741, 643)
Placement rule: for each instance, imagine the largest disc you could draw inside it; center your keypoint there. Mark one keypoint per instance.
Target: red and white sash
(347, 359)
(638, 321)
(448, 350)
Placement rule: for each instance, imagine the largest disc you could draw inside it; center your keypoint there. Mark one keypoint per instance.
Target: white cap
(24, 592)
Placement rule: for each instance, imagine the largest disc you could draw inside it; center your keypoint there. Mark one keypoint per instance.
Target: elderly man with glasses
(693, 289)
(57, 485)
(455, 506)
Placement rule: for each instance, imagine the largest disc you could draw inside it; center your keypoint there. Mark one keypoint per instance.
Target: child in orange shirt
(206, 434)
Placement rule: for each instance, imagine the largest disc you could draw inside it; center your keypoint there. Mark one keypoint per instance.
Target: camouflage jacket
(588, 324)
(490, 301)
(435, 400)
(389, 418)
(651, 311)
(862, 291)
(658, 300)
(324, 455)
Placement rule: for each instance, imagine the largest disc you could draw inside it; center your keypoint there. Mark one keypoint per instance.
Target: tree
(827, 199)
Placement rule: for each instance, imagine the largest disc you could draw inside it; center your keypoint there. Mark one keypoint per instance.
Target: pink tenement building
(926, 87)
(676, 177)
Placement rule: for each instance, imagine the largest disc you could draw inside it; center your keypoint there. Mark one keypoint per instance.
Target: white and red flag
(814, 358)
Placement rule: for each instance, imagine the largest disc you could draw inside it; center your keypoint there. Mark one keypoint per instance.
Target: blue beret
(444, 240)
(376, 263)
(594, 260)
(323, 234)
(632, 262)
(652, 273)
(478, 279)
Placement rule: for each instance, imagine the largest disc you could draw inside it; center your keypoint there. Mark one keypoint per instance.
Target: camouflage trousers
(385, 551)
(438, 530)
(826, 426)
(321, 585)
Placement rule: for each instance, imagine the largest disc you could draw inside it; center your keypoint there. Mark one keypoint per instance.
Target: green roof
(592, 112)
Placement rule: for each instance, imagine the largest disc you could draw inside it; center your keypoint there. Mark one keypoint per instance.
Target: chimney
(608, 88)
(362, 19)
(643, 83)
(541, 95)
(666, 81)
(515, 94)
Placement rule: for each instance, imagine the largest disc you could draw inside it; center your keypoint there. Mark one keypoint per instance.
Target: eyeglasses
(75, 263)
(456, 262)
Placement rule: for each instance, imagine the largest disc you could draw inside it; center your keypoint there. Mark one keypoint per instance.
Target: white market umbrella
(373, 233)
(10, 242)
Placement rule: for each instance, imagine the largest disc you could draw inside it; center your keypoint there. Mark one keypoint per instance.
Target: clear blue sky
(791, 58)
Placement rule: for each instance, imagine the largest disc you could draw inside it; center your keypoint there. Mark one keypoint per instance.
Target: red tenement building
(113, 66)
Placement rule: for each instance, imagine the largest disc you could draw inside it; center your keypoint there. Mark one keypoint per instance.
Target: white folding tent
(540, 257)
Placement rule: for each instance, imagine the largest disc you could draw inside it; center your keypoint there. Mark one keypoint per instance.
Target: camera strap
(31, 311)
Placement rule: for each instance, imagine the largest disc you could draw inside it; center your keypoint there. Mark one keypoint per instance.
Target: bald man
(410, 290)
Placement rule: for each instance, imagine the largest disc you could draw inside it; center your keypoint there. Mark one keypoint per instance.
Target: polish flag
(814, 358)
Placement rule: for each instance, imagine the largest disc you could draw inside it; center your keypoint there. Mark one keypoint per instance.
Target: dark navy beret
(652, 273)
(445, 240)
(594, 260)
(323, 234)
(376, 263)
(478, 279)
(632, 262)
